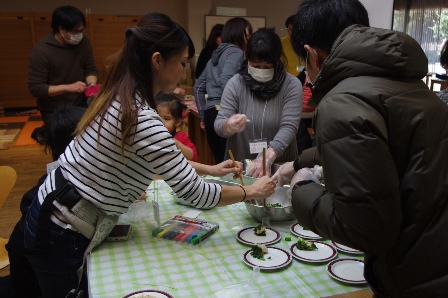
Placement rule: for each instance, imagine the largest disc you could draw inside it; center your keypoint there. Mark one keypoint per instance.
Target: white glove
(284, 173)
(256, 170)
(302, 175)
(236, 123)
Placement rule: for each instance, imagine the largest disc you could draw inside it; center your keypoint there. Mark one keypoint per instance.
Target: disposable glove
(236, 123)
(284, 173)
(302, 175)
(256, 169)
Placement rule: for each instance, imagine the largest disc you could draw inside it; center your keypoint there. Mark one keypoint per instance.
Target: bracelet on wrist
(244, 193)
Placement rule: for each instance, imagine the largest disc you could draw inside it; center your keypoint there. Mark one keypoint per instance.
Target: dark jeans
(217, 144)
(56, 267)
(21, 271)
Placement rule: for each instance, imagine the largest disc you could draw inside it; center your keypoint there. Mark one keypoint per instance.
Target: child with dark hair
(60, 133)
(171, 110)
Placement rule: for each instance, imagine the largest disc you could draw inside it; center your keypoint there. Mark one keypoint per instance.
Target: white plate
(275, 258)
(347, 270)
(347, 249)
(325, 252)
(299, 231)
(247, 236)
(151, 293)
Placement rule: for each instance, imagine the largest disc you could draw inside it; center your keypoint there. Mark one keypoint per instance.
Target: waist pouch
(75, 210)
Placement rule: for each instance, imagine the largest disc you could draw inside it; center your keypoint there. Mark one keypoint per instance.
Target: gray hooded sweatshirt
(219, 70)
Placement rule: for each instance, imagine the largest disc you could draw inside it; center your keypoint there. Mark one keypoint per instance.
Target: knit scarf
(264, 90)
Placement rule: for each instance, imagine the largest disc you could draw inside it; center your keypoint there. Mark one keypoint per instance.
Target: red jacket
(182, 137)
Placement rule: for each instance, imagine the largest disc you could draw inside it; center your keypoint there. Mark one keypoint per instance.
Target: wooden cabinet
(19, 32)
(199, 139)
(16, 40)
(107, 34)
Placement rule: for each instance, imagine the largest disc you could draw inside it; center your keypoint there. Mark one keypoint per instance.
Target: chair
(8, 176)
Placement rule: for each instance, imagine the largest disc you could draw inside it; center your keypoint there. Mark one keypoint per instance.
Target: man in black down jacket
(382, 140)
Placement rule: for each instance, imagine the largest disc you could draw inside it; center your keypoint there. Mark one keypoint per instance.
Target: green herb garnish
(257, 252)
(305, 245)
(287, 238)
(260, 230)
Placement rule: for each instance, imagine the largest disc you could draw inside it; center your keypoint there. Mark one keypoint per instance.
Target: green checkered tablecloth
(116, 269)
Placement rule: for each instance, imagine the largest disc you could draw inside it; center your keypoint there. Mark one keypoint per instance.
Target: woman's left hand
(227, 167)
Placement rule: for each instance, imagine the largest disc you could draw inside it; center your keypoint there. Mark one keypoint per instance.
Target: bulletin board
(210, 21)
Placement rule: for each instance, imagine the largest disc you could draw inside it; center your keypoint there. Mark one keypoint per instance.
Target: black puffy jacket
(382, 140)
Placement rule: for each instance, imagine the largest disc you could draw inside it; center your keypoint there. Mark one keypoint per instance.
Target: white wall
(380, 12)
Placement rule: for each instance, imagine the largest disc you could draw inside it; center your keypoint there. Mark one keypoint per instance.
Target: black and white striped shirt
(111, 181)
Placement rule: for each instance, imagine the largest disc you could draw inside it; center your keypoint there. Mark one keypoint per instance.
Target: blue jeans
(56, 267)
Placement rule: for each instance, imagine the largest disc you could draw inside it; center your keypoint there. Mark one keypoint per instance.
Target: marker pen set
(185, 229)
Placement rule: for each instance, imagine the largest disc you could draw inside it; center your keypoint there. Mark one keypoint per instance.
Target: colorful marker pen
(185, 233)
(160, 235)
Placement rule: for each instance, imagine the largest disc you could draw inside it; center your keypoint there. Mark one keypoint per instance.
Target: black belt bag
(66, 195)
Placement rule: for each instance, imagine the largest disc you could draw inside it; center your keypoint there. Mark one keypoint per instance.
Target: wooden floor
(30, 164)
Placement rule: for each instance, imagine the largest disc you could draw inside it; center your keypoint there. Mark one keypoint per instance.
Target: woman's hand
(227, 167)
(256, 168)
(262, 188)
(142, 197)
(236, 123)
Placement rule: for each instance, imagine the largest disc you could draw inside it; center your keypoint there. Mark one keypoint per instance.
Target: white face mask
(74, 39)
(260, 75)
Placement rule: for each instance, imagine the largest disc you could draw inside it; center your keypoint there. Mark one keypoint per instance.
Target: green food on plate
(258, 251)
(305, 245)
(260, 230)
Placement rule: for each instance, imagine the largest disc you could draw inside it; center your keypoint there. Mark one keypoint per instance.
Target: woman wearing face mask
(62, 65)
(260, 107)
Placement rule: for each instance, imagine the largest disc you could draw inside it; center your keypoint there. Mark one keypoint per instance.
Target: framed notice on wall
(210, 21)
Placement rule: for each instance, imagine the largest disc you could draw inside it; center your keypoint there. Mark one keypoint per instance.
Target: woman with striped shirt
(120, 145)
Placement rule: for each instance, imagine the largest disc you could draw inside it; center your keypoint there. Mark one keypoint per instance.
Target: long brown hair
(130, 72)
